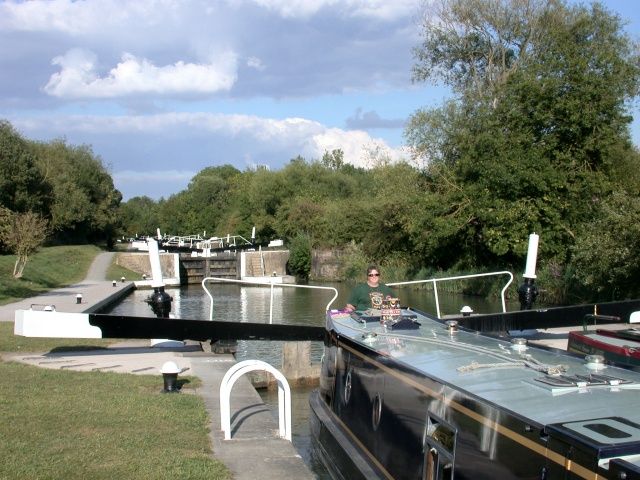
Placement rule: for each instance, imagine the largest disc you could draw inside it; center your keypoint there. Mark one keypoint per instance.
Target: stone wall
(274, 261)
(139, 262)
(326, 264)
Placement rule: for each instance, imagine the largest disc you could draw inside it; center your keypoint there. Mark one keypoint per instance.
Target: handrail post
(270, 284)
(435, 292)
(460, 277)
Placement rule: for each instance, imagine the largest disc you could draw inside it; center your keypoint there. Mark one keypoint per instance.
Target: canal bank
(88, 296)
(254, 449)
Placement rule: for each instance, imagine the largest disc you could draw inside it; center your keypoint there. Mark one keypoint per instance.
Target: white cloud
(380, 9)
(297, 135)
(254, 62)
(359, 148)
(80, 17)
(78, 77)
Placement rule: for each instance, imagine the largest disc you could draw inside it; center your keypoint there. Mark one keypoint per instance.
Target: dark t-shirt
(363, 296)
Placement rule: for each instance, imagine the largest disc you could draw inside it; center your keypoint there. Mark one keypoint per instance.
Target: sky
(162, 89)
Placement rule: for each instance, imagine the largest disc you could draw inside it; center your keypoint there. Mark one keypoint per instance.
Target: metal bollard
(79, 298)
(114, 283)
(170, 373)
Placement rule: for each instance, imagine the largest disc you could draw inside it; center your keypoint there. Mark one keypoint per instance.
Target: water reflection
(233, 302)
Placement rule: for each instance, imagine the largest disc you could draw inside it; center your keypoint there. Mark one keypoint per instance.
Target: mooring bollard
(79, 298)
(122, 279)
(114, 283)
(170, 373)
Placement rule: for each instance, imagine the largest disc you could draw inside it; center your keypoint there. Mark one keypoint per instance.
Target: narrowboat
(418, 397)
(618, 346)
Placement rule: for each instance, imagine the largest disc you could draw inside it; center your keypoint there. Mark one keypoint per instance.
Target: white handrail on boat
(284, 395)
(270, 283)
(460, 277)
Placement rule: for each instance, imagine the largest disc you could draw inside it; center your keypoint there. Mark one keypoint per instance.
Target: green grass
(100, 425)
(50, 268)
(116, 272)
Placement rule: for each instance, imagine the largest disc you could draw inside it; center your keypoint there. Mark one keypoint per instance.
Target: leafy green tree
(84, 200)
(139, 216)
(23, 234)
(334, 159)
(537, 134)
(22, 186)
(605, 259)
(300, 255)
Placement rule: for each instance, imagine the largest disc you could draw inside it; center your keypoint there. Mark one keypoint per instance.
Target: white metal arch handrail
(460, 277)
(271, 284)
(284, 396)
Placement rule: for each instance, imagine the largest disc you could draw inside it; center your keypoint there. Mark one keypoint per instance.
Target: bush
(300, 256)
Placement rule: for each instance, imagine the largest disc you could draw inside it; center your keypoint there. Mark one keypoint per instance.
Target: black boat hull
(375, 417)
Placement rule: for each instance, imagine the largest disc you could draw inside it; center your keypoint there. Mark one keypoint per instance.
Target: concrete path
(96, 291)
(254, 451)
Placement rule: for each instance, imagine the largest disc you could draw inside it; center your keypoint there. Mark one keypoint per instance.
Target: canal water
(294, 306)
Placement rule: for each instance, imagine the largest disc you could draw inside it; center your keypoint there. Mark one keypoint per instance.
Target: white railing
(271, 284)
(435, 281)
(284, 395)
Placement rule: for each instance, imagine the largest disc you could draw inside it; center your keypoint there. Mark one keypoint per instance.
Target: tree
(26, 233)
(538, 131)
(139, 217)
(84, 201)
(22, 187)
(475, 45)
(300, 256)
(333, 160)
(605, 259)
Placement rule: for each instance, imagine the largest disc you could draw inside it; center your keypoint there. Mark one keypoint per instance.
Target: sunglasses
(373, 275)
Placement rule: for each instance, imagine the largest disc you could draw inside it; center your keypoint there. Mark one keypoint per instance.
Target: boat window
(439, 443)
(606, 430)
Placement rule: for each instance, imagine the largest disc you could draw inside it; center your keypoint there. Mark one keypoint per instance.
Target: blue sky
(162, 89)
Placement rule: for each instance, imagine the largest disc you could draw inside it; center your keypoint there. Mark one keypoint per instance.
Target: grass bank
(100, 425)
(52, 267)
(49, 268)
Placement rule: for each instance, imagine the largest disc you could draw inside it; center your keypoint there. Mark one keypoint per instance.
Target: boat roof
(544, 386)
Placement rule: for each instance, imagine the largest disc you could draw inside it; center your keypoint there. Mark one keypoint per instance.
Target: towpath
(254, 451)
(95, 289)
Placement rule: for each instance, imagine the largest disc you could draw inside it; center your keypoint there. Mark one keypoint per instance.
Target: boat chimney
(528, 291)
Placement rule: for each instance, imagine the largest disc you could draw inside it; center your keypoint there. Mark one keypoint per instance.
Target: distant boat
(618, 346)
